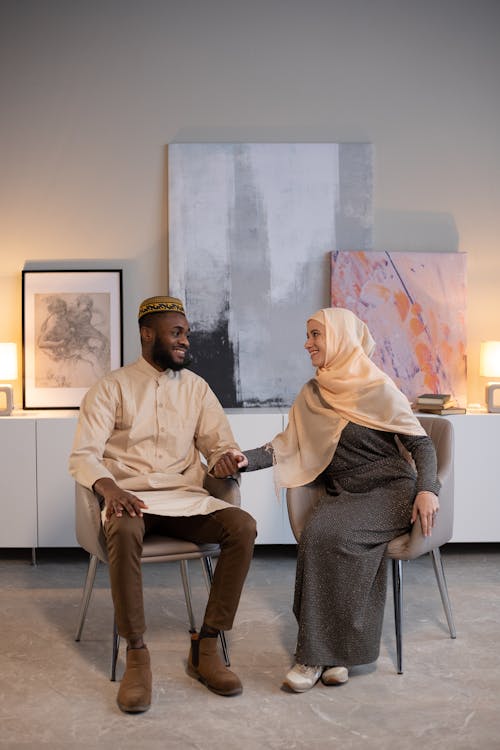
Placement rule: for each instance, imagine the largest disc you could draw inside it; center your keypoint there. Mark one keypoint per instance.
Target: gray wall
(91, 92)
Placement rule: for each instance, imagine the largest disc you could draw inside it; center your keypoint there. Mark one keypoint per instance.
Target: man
(137, 445)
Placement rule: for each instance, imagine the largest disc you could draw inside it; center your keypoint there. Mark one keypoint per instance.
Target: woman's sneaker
(335, 676)
(301, 677)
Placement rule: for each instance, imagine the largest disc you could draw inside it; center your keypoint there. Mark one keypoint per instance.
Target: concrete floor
(57, 693)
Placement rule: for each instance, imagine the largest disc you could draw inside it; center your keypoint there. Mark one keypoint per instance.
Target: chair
(413, 544)
(90, 536)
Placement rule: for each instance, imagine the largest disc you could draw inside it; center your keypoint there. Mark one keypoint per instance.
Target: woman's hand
(426, 505)
(230, 463)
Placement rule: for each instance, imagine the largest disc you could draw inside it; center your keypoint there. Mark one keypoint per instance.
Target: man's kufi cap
(160, 305)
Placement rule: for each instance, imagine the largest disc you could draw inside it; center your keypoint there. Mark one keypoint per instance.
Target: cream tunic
(144, 429)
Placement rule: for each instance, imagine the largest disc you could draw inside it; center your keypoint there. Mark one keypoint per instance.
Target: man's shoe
(205, 665)
(302, 677)
(335, 676)
(134, 695)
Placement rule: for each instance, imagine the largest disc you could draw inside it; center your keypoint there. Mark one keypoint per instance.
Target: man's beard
(162, 358)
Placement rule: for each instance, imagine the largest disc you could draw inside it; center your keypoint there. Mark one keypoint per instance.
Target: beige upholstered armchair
(90, 536)
(301, 501)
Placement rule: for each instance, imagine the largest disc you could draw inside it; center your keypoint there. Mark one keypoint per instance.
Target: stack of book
(438, 403)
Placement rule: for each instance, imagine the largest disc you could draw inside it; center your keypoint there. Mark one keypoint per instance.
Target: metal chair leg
(187, 594)
(397, 589)
(206, 576)
(208, 567)
(87, 592)
(443, 590)
(116, 648)
(208, 570)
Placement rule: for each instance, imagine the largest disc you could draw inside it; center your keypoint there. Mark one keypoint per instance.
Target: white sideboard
(55, 486)
(37, 492)
(252, 429)
(35, 486)
(18, 482)
(477, 473)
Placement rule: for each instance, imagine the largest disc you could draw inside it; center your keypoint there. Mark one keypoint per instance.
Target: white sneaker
(301, 677)
(335, 676)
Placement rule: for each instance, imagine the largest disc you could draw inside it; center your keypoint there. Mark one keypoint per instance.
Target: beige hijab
(348, 388)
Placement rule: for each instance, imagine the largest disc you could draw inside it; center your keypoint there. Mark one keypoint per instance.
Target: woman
(347, 426)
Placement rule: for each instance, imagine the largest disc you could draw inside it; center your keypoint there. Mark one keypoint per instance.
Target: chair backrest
(89, 532)
(300, 503)
(88, 527)
(413, 544)
(301, 500)
(224, 489)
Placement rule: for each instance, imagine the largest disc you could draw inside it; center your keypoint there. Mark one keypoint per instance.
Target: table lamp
(489, 367)
(8, 371)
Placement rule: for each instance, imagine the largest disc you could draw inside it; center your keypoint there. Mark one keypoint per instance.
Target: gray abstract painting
(251, 226)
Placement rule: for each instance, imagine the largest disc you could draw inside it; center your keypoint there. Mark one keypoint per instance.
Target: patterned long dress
(341, 576)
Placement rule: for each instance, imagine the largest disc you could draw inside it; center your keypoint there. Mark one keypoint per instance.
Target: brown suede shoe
(205, 665)
(134, 695)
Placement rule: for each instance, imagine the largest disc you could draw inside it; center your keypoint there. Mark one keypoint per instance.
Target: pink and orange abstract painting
(414, 305)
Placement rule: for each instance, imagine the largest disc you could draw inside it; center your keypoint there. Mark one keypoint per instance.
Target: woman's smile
(316, 342)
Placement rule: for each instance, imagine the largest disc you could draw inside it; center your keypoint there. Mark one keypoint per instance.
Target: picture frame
(71, 332)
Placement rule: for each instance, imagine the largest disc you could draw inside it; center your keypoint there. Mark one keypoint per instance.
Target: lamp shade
(8, 362)
(489, 362)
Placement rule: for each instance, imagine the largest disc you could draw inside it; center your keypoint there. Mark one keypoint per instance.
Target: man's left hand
(230, 463)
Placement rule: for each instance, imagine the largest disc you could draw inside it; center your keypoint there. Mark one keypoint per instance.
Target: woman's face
(316, 343)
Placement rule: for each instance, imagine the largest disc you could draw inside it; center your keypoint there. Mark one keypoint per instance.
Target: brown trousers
(232, 528)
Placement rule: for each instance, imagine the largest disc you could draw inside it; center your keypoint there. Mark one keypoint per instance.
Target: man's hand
(426, 506)
(230, 463)
(118, 501)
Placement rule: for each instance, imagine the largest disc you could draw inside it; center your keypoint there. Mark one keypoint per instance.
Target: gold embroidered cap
(160, 305)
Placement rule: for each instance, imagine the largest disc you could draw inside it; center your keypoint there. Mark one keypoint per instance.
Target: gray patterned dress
(341, 577)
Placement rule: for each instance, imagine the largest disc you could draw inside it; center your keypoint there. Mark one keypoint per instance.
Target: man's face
(170, 341)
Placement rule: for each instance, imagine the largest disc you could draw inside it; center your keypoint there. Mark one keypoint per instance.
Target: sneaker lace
(306, 669)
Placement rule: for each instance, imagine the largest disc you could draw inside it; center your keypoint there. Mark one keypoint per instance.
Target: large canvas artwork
(415, 307)
(251, 228)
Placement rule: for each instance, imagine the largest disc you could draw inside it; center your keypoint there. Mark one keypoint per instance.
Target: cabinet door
(477, 489)
(18, 482)
(56, 488)
(258, 496)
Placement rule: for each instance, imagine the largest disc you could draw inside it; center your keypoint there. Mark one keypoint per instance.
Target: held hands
(426, 506)
(230, 463)
(118, 501)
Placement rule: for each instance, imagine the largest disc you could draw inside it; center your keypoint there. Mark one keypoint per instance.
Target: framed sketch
(72, 334)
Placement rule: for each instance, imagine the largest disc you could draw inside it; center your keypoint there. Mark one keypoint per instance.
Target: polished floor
(56, 693)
